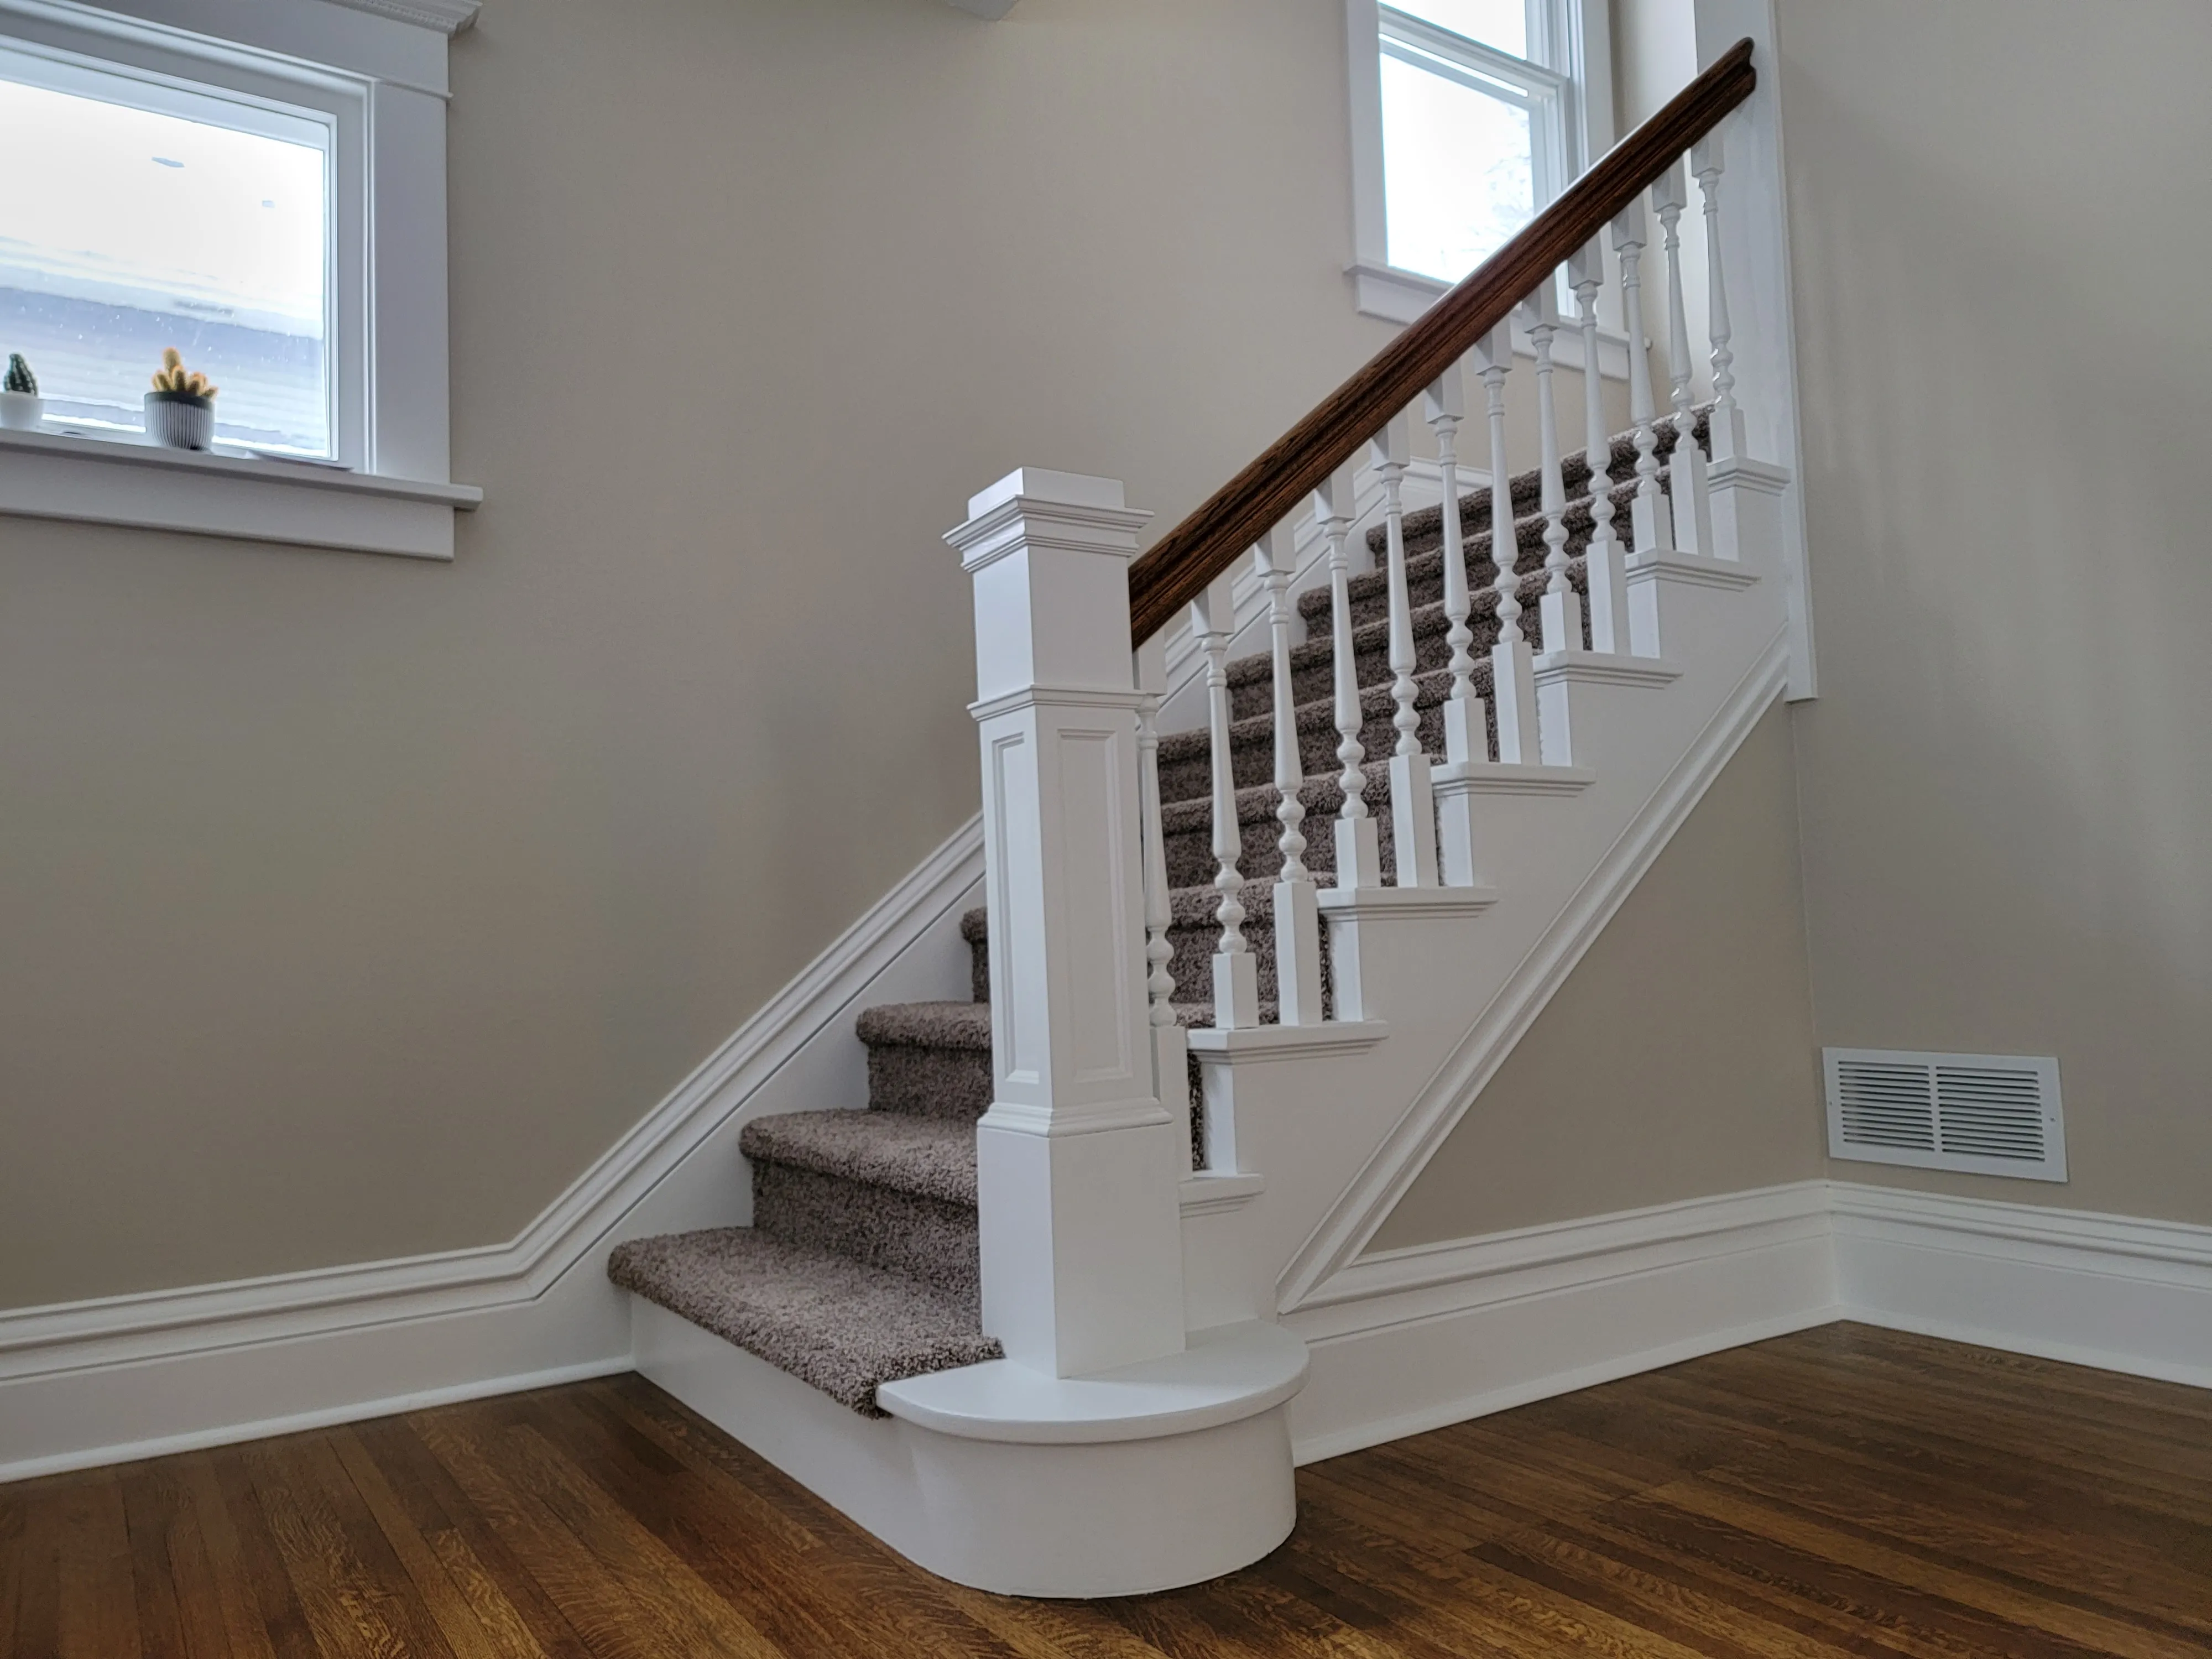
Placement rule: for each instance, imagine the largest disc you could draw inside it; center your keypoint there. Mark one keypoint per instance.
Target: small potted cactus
(180, 408)
(20, 406)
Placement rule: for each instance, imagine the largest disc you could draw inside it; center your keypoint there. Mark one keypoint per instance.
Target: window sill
(1401, 296)
(52, 475)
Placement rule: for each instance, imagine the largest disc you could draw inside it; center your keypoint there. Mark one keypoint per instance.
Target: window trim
(1571, 52)
(379, 67)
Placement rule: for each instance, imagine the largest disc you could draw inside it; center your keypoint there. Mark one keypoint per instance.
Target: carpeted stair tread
(927, 1024)
(933, 1156)
(828, 1320)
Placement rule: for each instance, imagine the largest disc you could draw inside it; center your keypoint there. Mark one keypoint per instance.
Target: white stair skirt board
(1163, 1474)
(101, 1381)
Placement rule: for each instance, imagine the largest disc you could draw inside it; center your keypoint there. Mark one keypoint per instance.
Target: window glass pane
(1458, 175)
(1500, 23)
(138, 230)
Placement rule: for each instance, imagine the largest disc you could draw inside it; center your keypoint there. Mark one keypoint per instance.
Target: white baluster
(1235, 974)
(1412, 803)
(1512, 675)
(1646, 515)
(1608, 588)
(1562, 610)
(1467, 732)
(1685, 470)
(1727, 419)
(1170, 1046)
(1358, 849)
(1298, 918)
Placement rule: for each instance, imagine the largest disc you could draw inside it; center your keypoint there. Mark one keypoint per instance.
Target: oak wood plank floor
(1842, 1490)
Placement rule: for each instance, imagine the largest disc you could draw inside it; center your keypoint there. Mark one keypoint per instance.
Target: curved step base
(1027, 1516)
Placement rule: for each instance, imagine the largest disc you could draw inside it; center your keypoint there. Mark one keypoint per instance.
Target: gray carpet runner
(861, 1267)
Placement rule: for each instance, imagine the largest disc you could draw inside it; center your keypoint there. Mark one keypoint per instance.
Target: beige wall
(1677, 1059)
(2001, 217)
(352, 906)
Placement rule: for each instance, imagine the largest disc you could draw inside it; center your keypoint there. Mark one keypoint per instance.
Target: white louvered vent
(1983, 1113)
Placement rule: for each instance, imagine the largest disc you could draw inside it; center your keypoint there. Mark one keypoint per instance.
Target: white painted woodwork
(1649, 524)
(1512, 686)
(1359, 848)
(1467, 722)
(1685, 466)
(1467, 733)
(1707, 160)
(1236, 971)
(1163, 1473)
(1601, 561)
(1412, 807)
(1297, 921)
(1562, 609)
(1170, 1075)
(1755, 249)
(1077, 1164)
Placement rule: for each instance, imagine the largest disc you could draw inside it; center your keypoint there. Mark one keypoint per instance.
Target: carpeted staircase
(861, 1265)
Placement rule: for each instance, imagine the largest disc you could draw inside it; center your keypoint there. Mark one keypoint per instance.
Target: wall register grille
(1982, 1114)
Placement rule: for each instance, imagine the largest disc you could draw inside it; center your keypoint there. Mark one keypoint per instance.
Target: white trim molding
(1411, 1340)
(2119, 1292)
(48, 475)
(97, 1381)
(373, 75)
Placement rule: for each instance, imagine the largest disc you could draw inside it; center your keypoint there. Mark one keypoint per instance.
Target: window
(162, 217)
(1469, 116)
(263, 188)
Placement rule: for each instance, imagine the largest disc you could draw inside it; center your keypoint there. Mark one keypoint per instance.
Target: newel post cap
(1036, 508)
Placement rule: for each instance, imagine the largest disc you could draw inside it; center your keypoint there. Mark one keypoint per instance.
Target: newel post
(1077, 1166)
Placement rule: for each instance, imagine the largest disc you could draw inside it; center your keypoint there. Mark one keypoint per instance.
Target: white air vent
(1984, 1114)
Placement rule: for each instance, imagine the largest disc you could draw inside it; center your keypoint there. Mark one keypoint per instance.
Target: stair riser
(924, 1238)
(928, 1081)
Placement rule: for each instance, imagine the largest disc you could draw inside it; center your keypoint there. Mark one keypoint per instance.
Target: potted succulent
(180, 408)
(20, 406)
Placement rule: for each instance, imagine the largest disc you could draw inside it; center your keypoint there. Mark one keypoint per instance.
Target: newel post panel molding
(1077, 1161)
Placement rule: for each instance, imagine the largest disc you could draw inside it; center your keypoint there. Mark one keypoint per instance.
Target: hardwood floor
(1844, 1490)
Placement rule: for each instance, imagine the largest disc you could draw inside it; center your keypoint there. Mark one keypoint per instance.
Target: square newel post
(1077, 1162)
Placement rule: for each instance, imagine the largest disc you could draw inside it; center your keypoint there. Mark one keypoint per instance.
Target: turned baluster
(1235, 974)
(1412, 804)
(1170, 1047)
(1358, 849)
(1512, 675)
(1602, 570)
(1298, 917)
(1562, 609)
(1727, 419)
(1467, 736)
(1647, 513)
(1685, 470)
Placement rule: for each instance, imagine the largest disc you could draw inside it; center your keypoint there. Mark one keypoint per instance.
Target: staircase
(1033, 1315)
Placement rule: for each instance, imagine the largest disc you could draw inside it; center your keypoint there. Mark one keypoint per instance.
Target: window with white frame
(163, 216)
(1469, 116)
(263, 190)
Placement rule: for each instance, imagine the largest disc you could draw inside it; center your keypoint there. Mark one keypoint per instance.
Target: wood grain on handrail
(1178, 567)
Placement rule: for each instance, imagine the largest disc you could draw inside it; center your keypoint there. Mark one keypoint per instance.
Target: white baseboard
(2113, 1292)
(1413, 1339)
(104, 1381)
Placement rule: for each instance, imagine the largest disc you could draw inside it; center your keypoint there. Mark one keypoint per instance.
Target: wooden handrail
(1178, 567)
